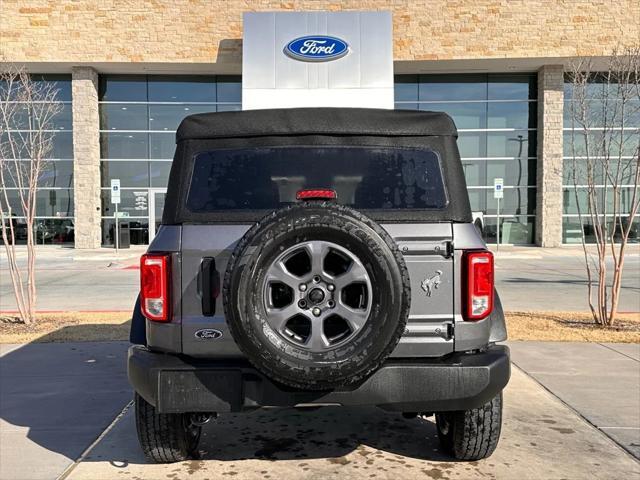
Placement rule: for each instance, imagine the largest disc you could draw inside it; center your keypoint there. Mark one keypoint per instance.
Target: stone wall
(86, 153)
(549, 171)
(206, 31)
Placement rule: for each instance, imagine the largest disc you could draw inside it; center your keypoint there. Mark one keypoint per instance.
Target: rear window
(376, 178)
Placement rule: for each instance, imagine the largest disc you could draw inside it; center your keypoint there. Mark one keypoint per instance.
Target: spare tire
(316, 295)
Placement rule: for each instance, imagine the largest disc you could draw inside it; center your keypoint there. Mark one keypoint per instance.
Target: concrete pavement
(600, 381)
(554, 279)
(527, 279)
(57, 399)
(541, 438)
(75, 280)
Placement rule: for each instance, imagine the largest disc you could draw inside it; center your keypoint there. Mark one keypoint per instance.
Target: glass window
(571, 205)
(63, 120)
(511, 87)
(54, 197)
(578, 171)
(61, 83)
(229, 88)
(465, 115)
(406, 88)
(516, 201)
(511, 115)
(123, 88)
(159, 173)
(265, 178)
(54, 230)
(517, 172)
(133, 202)
(478, 200)
(572, 229)
(138, 230)
(510, 144)
(168, 117)
(62, 145)
(516, 230)
(56, 174)
(472, 144)
(183, 88)
(124, 145)
(131, 174)
(452, 87)
(138, 118)
(123, 116)
(162, 145)
(54, 202)
(601, 143)
(516, 144)
(60, 121)
(599, 113)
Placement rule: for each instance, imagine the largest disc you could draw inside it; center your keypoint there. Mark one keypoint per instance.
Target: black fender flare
(498, 327)
(138, 332)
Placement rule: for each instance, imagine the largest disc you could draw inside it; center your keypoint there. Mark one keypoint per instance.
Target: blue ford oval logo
(208, 334)
(316, 48)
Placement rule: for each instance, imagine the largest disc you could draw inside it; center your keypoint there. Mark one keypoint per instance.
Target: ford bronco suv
(314, 257)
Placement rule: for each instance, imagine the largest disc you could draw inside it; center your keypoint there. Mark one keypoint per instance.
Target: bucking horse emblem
(432, 283)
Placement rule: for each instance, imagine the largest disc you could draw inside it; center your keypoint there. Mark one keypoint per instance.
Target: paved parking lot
(527, 279)
(541, 438)
(58, 403)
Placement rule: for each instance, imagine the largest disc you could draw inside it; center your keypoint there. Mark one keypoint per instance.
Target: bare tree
(27, 112)
(604, 110)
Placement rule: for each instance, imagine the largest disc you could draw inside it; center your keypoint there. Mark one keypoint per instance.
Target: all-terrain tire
(283, 361)
(471, 434)
(165, 437)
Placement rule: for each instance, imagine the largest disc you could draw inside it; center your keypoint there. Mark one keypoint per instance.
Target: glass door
(156, 206)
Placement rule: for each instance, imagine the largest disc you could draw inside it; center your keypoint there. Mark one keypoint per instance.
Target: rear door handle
(210, 281)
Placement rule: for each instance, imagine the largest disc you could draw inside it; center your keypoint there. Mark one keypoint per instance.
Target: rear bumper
(176, 384)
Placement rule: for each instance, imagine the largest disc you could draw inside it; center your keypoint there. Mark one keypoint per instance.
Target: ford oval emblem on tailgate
(208, 334)
(316, 48)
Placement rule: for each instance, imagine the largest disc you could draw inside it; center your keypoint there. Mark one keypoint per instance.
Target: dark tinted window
(123, 88)
(192, 88)
(363, 177)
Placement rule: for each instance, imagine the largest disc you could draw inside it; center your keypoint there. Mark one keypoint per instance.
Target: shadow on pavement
(67, 393)
(329, 432)
(56, 398)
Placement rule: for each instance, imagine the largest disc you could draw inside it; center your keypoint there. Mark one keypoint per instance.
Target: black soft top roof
(316, 121)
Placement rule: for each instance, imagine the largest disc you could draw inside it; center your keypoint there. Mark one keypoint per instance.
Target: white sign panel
(498, 188)
(317, 59)
(115, 191)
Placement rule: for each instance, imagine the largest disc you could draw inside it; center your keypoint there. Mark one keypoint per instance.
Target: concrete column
(86, 157)
(549, 171)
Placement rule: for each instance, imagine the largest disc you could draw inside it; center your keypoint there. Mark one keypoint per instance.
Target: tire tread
(162, 435)
(474, 433)
(335, 210)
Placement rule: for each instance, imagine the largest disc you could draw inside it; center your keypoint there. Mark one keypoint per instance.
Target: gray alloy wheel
(320, 310)
(316, 296)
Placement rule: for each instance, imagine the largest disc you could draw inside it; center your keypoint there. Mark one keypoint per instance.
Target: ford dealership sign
(316, 48)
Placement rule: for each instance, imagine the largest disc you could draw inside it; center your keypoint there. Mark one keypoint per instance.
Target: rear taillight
(154, 287)
(478, 296)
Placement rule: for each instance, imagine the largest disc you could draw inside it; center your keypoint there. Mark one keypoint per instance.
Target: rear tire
(165, 437)
(285, 359)
(471, 434)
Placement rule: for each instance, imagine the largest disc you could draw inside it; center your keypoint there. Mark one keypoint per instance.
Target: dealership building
(129, 72)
